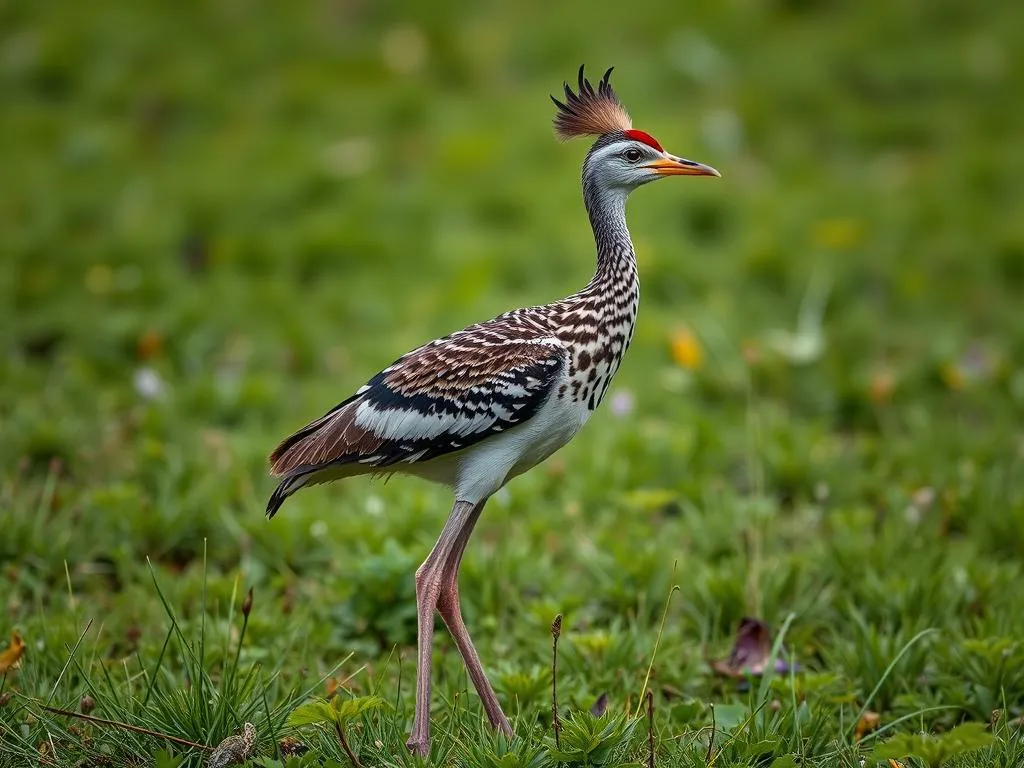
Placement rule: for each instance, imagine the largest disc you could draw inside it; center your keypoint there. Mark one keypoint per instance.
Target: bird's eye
(632, 155)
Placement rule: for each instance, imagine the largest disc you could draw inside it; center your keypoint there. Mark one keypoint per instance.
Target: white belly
(484, 468)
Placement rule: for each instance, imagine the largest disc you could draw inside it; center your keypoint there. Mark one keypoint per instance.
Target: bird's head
(622, 158)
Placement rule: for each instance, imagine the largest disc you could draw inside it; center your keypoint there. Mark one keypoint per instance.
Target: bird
(476, 408)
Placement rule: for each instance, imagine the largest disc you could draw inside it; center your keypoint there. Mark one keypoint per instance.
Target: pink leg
(437, 590)
(451, 612)
(426, 604)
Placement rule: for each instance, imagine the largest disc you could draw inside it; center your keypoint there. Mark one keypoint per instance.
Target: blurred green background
(217, 219)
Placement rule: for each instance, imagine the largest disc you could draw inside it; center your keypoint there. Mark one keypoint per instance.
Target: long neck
(616, 259)
(597, 323)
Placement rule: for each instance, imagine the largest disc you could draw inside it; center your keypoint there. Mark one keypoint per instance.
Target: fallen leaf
(686, 349)
(10, 657)
(868, 722)
(750, 652)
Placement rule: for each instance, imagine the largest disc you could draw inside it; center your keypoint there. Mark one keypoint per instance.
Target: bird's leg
(429, 579)
(450, 610)
(448, 607)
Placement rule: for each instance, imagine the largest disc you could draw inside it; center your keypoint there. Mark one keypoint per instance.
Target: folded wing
(443, 397)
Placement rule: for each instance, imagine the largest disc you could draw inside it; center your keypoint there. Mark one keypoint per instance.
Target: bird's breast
(597, 351)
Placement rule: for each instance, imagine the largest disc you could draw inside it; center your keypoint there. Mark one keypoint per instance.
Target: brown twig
(650, 729)
(556, 632)
(126, 726)
(711, 738)
(344, 745)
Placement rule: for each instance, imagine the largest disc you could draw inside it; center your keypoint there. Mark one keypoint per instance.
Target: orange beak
(678, 166)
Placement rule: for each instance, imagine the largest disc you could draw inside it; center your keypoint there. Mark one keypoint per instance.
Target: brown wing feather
(456, 366)
(335, 434)
(462, 379)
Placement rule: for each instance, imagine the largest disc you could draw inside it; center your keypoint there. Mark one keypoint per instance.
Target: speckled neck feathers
(597, 322)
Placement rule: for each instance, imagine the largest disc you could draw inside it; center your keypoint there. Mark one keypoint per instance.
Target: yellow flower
(868, 722)
(686, 349)
(10, 657)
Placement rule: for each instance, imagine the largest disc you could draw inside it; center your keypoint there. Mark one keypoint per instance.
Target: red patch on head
(646, 138)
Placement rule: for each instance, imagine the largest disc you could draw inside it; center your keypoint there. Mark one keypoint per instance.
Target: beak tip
(678, 166)
(707, 170)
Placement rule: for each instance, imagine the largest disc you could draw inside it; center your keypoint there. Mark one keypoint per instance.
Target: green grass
(252, 207)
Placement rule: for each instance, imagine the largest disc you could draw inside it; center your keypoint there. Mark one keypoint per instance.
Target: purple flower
(623, 403)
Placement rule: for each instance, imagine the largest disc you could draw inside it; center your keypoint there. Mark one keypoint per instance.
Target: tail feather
(284, 458)
(300, 456)
(333, 438)
(286, 488)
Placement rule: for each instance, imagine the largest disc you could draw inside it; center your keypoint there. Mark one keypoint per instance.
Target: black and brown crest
(590, 112)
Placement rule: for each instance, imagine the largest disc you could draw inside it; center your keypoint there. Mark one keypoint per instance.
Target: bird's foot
(418, 745)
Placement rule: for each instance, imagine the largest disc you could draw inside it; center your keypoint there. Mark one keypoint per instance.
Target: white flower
(148, 383)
